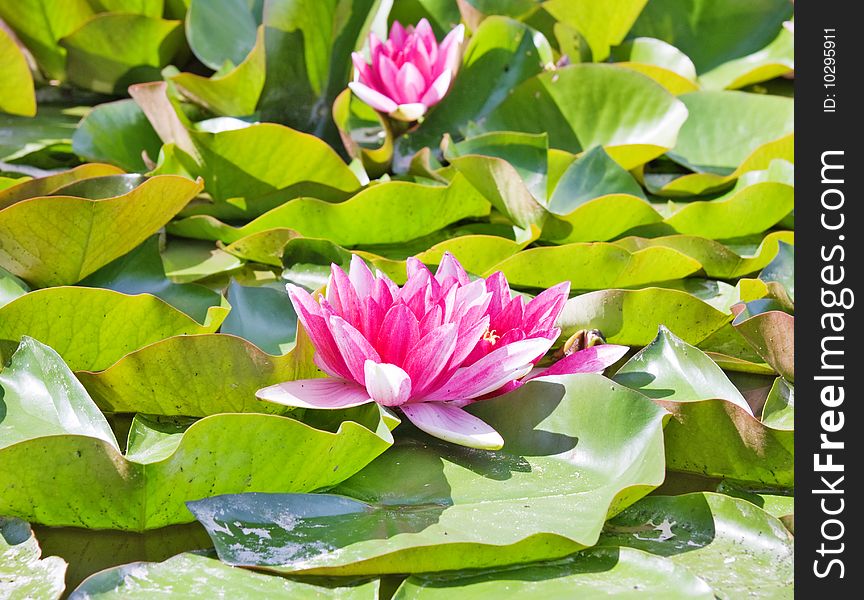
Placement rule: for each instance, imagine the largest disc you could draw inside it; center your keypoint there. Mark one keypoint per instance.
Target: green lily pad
(701, 28)
(23, 573)
(45, 186)
(701, 183)
(501, 184)
(595, 266)
(632, 317)
(142, 272)
(263, 315)
(60, 240)
(779, 409)
(427, 505)
(167, 461)
(222, 31)
(186, 261)
(367, 218)
(750, 210)
(11, 287)
(673, 370)
(725, 127)
(40, 24)
(593, 175)
(781, 270)
(601, 219)
(737, 548)
(592, 574)
(195, 375)
(716, 259)
(477, 253)
(602, 25)
(233, 93)
(196, 576)
(661, 61)
(17, 95)
(774, 60)
(713, 431)
(107, 324)
(772, 503)
(111, 51)
(634, 118)
(248, 172)
(89, 551)
(117, 133)
(526, 153)
(151, 8)
(771, 333)
(51, 128)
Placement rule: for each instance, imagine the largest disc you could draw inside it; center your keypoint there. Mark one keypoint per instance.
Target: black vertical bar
(829, 256)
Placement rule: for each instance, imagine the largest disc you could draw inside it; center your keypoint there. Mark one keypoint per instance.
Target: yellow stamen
(491, 337)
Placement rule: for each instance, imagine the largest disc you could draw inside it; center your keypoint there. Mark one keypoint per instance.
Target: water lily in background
(409, 72)
(430, 347)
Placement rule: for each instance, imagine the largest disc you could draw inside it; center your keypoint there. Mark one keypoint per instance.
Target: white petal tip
(452, 424)
(409, 112)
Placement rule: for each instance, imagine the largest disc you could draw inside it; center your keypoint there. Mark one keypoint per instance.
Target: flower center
(491, 337)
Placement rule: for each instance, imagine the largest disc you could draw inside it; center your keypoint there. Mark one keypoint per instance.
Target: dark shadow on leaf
(639, 381)
(663, 525)
(516, 416)
(89, 551)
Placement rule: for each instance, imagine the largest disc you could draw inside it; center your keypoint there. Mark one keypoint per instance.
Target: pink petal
(469, 340)
(342, 295)
(497, 284)
(397, 34)
(471, 296)
(413, 293)
(409, 112)
(361, 277)
(410, 82)
(316, 393)
(382, 292)
(394, 289)
(428, 357)
(414, 267)
(424, 32)
(542, 311)
(449, 52)
(421, 59)
(362, 70)
(590, 360)
(450, 270)
(512, 317)
(399, 332)
(387, 384)
(375, 48)
(373, 317)
(438, 89)
(453, 424)
(504, 389)
(432, 319)
(323, 364)
(355, 348)
(503, 364)
(373, 98)
(388, 74)
(310, 315)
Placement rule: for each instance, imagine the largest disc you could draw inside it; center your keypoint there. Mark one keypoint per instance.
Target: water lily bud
(409, 72)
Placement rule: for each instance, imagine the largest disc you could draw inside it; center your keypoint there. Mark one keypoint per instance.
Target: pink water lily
(409, 72)
(429, 347)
